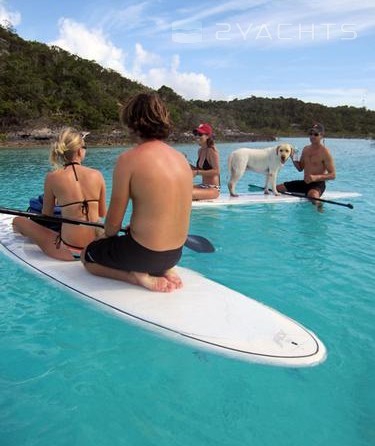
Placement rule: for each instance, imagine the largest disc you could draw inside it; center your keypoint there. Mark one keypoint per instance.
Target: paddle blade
(198, 243)
(254, 187)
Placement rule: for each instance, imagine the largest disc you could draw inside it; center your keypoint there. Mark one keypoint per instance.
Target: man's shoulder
(150, 145)
(324, 149)
(327, 152)
(127, 154)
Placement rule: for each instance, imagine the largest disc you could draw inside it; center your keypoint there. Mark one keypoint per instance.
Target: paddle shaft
(194, 242)
(323, 200)
(51, 219)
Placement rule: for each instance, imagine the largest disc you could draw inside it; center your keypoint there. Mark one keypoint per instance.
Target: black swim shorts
(300, 187)
(124, 253)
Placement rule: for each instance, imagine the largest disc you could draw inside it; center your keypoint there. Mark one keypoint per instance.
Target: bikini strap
(74, 169)
(84, 206)
(84, 203)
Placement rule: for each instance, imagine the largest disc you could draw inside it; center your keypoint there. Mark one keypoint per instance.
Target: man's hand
(311, 178)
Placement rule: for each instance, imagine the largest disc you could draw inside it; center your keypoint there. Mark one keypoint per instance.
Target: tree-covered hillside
(42, 86)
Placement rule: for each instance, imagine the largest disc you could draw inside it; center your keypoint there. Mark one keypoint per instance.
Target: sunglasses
(314, 134)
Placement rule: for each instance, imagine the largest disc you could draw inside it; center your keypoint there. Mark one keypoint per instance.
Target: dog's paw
(266, 191)
(276, 193)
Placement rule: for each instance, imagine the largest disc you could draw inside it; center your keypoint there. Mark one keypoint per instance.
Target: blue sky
(316, 50)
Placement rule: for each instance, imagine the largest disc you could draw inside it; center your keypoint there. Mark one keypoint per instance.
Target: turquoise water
(72, 374)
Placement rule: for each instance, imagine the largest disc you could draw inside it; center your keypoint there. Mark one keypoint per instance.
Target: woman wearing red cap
(208, 165)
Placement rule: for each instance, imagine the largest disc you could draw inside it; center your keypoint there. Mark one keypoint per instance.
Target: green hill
(47, 87)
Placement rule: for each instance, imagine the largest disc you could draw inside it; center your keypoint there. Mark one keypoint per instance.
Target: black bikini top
(84, 203)
(206, 165)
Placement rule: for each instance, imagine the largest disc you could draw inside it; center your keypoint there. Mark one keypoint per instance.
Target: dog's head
(283, 152)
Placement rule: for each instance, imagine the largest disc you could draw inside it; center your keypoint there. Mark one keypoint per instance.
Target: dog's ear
(277, 150)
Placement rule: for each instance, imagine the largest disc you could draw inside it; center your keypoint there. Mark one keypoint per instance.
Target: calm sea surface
(71, 374)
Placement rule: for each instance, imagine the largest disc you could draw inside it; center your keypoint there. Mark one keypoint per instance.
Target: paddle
(194, 242)
(348, 205)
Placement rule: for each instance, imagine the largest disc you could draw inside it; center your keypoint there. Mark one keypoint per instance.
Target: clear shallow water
(71, 373)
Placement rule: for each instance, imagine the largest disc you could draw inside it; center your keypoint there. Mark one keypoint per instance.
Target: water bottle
(295, 156)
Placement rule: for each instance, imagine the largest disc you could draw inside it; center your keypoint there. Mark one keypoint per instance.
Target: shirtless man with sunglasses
(318, 166)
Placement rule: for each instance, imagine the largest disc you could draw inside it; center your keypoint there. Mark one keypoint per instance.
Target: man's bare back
(157, 179)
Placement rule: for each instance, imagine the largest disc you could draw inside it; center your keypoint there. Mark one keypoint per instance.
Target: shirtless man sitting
(157, 179)
(318, 166)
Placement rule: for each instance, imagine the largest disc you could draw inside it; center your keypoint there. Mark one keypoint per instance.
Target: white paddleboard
(260, 198)
(203, 313)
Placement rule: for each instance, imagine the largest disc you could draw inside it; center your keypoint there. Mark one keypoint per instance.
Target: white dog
(267, 161)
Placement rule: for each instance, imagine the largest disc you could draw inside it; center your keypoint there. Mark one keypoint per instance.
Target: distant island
(46, 88)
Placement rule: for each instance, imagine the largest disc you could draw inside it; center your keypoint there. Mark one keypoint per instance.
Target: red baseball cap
(203, 129)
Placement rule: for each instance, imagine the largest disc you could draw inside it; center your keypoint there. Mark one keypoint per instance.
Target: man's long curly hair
(147, 116)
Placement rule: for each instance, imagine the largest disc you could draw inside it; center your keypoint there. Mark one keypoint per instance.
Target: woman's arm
(49, 200)
(102, 197)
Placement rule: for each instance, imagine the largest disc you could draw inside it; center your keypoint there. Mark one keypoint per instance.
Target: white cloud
(143, 58)
(89, 44)
(189, 85)
(129, 18)
(145, 67)
(8, 17)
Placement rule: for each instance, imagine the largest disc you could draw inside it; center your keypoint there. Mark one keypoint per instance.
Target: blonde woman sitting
(78, 190)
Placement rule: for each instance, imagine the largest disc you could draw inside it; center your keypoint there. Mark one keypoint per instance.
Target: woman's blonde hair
(65, 147)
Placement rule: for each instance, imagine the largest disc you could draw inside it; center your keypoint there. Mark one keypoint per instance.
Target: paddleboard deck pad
(261, 198)
(204, 313)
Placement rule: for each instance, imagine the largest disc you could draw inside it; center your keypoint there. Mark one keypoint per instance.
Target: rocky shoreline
(45, 136)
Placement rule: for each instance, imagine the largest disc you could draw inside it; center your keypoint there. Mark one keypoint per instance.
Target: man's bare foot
(319, 206)
(153, 283)
(173, 277)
